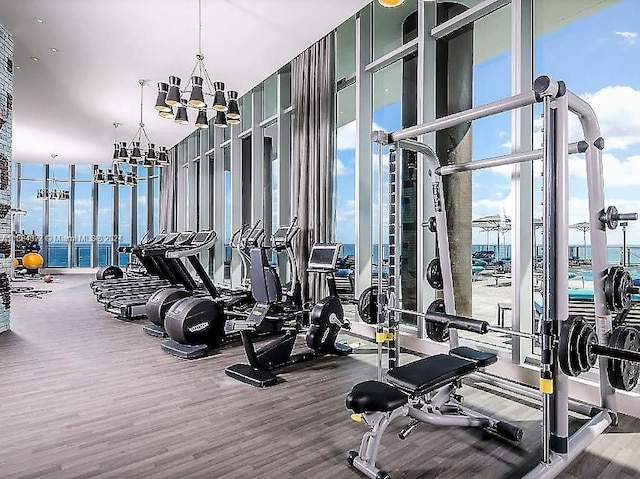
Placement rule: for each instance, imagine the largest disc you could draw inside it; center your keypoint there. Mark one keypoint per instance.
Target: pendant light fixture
(115, 176)
(390, 3)
(198, 92)
(55, 192)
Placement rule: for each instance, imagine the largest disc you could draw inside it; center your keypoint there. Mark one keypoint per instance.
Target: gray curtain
(168, 186)
(313, 129)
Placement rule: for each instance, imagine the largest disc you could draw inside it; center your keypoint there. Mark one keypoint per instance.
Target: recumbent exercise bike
(272, 314)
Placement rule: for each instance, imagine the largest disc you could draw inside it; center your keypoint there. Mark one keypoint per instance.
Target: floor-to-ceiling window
(31, 180)
(83, 213)
(57, 238)
(142, 204)
(345, 167)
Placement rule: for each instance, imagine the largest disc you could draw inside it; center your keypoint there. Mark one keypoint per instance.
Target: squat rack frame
(558, 448)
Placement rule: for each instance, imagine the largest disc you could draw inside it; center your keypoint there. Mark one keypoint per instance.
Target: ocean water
(58, 253)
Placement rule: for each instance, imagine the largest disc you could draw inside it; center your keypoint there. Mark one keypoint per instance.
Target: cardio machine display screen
(183, 237)
(323, 256)
(280, 234)
(201, 237)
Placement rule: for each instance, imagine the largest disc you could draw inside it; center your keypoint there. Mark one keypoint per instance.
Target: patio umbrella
(584, 227)
(498, 223)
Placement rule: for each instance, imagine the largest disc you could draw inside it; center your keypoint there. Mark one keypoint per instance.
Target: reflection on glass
(270, 96)
(346, 49)
(388, 24)
(271, 151)
(246, 109)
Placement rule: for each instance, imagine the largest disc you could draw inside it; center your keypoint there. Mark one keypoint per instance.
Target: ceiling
(66, 102)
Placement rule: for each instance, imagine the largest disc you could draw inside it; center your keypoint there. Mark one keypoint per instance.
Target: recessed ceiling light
(35, 59)
(40, 21)
(55, 50)
(18, 67)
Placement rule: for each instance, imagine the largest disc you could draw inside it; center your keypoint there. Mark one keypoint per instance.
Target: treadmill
(187, 245)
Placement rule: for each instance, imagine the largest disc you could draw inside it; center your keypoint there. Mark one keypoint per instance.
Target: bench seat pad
(429, 373)
(483, 359)
(374, 396)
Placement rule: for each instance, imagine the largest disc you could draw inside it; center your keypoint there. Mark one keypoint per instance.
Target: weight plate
(624, 374)
(434, 274)
(624, 296)
(367, 305)
(438, 332)
(609, 288)
(569, 344)
(587, 336)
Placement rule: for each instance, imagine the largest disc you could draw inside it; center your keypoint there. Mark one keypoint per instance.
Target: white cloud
(619, 173)
(346, 136)
(630, 37)
(340, 168)
(618, 112)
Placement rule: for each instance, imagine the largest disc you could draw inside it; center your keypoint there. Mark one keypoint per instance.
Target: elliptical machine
(273, 314)
(196, 325)
(162, 301)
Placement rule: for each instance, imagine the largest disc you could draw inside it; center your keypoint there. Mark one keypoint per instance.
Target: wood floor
(83, 395)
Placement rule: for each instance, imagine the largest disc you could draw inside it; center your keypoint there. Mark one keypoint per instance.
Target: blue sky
(598, 56)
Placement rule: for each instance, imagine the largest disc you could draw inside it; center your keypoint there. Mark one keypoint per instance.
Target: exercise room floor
(85, 395)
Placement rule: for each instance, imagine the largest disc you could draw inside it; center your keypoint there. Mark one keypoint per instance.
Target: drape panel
(168, 185)
(313, 129)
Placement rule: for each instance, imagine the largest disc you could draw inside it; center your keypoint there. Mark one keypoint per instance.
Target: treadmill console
(184, 239)
(202, 237)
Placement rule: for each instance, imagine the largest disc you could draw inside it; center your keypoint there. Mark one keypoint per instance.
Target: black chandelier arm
(146, 137)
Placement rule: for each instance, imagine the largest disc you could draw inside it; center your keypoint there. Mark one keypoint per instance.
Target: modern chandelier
(132, 154)
(55, 193)
(201, 94)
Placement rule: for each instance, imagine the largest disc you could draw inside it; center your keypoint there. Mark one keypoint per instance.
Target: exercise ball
(32, 261)
(47, 278)
(16, 263)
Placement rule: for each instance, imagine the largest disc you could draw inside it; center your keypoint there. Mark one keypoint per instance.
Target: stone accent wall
(6, 107)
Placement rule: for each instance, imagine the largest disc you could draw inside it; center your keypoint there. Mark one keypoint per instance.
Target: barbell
(578, 347)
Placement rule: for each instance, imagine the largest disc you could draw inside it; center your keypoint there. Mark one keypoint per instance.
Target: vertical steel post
(363, 153)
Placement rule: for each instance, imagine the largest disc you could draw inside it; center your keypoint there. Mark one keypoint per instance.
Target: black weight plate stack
(586, 338)
(438, 332)
(368, 305)
(623, 374)
(569, 344)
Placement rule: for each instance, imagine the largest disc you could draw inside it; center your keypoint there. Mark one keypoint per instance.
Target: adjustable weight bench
(424, 390)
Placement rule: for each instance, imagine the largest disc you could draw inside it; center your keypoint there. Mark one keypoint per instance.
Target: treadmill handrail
(191, 251)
